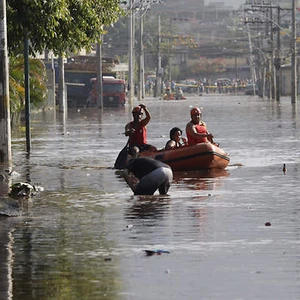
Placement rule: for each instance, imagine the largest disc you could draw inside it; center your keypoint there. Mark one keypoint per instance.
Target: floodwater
(84, 236)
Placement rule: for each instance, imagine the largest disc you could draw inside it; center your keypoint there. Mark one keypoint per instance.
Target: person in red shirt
(137, 132)
(196, 130)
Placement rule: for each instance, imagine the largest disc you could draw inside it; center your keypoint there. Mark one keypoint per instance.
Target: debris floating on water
(24, 190)
(107, 259)
(268, 224)
(284, 169)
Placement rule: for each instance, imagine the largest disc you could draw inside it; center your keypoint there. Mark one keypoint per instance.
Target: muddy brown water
(84, 236)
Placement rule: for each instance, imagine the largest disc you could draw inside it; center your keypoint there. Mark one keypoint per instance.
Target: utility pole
(294, 87)
(275, 64)
(5, 129)
(130, 54)
(62, 91)
(141, 63)
(170, 50)
(273, 88)
(99, 74)
(159, 70)
(278, 59)
(251, 59)
(269, 64)
(27, 93)
(61, 85)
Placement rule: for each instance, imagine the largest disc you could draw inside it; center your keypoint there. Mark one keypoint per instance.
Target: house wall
(287, 81)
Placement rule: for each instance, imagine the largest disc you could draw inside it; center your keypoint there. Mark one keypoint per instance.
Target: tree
(16, 84)
(205, 66)
(58, 25)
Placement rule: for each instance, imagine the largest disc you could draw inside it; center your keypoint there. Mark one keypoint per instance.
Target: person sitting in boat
(145, 175)
(179, 94)
(176, 139)
(137, 133)
(196, 130)
(168, 91)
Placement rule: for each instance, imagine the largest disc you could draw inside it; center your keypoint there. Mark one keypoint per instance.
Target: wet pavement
(231, 234)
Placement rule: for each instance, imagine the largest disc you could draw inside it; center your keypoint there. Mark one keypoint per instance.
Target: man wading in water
(149, 175)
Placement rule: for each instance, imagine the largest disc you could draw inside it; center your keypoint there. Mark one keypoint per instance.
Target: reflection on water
(84, 236)
(146, 207)
(200, 180)
(57, 250)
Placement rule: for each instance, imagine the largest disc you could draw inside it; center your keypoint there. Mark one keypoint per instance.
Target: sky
(234, 3)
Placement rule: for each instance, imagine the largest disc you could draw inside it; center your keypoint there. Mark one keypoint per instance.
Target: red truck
(114, 92)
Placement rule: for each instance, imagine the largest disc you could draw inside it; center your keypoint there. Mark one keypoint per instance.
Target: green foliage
(208, 66)
(58, 25)
(38, 89)
(168, 40)
(117, 38)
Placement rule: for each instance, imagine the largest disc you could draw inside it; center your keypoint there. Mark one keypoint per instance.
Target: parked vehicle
(251, 89)
(224, 81)
(187, 86)
(78, 73)
(114, 92)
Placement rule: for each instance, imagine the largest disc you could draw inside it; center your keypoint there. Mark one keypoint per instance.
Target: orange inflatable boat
(195, 157)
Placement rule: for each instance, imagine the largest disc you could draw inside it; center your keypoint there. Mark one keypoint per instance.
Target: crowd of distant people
(204, 85)
(222, 85)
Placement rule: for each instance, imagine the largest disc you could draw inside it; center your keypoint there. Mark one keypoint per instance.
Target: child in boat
(176, 139)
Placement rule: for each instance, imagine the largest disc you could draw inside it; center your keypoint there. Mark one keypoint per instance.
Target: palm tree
(38, 89)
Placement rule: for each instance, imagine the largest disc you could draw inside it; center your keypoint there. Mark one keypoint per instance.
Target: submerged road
(232, 234)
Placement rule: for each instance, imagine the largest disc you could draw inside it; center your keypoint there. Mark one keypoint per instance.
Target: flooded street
(84, 236)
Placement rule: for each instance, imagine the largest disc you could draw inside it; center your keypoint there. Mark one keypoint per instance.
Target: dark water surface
(83, 237)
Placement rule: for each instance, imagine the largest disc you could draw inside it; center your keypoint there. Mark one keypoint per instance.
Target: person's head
(137, 112)
(175, 134)
(196, 114)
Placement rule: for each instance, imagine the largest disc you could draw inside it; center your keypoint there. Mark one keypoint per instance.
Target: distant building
(186, 5)
(196, 10)
(185, 9)
(282, 3)
(196, 18)
(215, 12)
